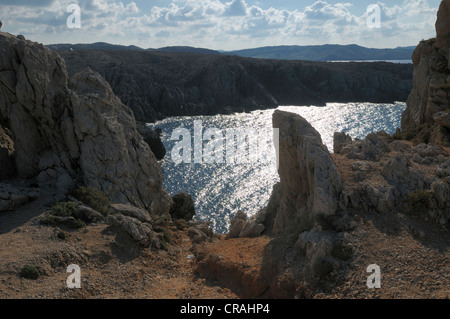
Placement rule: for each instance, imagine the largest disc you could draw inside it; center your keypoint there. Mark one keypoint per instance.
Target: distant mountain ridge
(103, 46)
(92, 46)
(327, 52)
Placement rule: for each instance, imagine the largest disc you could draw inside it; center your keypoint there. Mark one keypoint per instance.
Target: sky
(223, 24)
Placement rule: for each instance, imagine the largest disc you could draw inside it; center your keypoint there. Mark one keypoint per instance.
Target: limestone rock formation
(241, 227)
(237, 223)
(397, 172)
(304, 208)
(371, 148)
(340, 140)
(136, 222)
(430, 98)
(74, 131)
(309, 185)
(131, 211)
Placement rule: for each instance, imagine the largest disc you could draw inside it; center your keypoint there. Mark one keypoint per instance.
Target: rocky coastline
(156, 85)
(81, 185)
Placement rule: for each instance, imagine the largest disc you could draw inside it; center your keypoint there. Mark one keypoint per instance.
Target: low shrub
(62, 214)
(63, 209)
(165, 234)
(29, 272)
(93, 198)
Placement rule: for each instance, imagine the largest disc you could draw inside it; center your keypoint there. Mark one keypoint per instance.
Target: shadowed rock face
(430, 98)
(74, 131)
(309, 185)
(157, 84)
(6, 154)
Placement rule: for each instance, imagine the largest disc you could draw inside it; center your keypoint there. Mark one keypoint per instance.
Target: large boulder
(340, 140)
(398, 172)
(309, 184)
(74, 130)
(304, 208)
(241, 227)
(372, 148)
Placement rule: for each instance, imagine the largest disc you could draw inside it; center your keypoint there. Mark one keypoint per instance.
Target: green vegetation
(164, 236)
(64, 209)
(29, 272)
(93, 198)
(63, 214)
(164, 232)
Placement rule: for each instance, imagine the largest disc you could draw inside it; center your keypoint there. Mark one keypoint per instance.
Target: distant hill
(115, 47)
(93, 46)
(185, 49)
(327, 52)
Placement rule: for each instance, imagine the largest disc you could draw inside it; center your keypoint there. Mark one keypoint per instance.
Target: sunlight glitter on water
(220, 190)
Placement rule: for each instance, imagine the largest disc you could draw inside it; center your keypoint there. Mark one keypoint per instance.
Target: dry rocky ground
(111, 264)
(412, 252)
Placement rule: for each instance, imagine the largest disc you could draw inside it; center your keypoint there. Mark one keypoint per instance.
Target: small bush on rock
(62, 214)
(93, 198)
(29, 272)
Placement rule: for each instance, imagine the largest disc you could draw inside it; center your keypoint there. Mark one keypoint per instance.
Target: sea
(389, 61)
(226, 172)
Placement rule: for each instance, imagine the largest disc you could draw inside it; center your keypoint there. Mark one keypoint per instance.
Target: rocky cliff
(428, 105)
(60, 132)
(305, 214)
(313, 222)
(158, 84)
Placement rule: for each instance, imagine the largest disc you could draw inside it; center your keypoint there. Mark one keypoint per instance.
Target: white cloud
(236, 8)
(219, 24)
